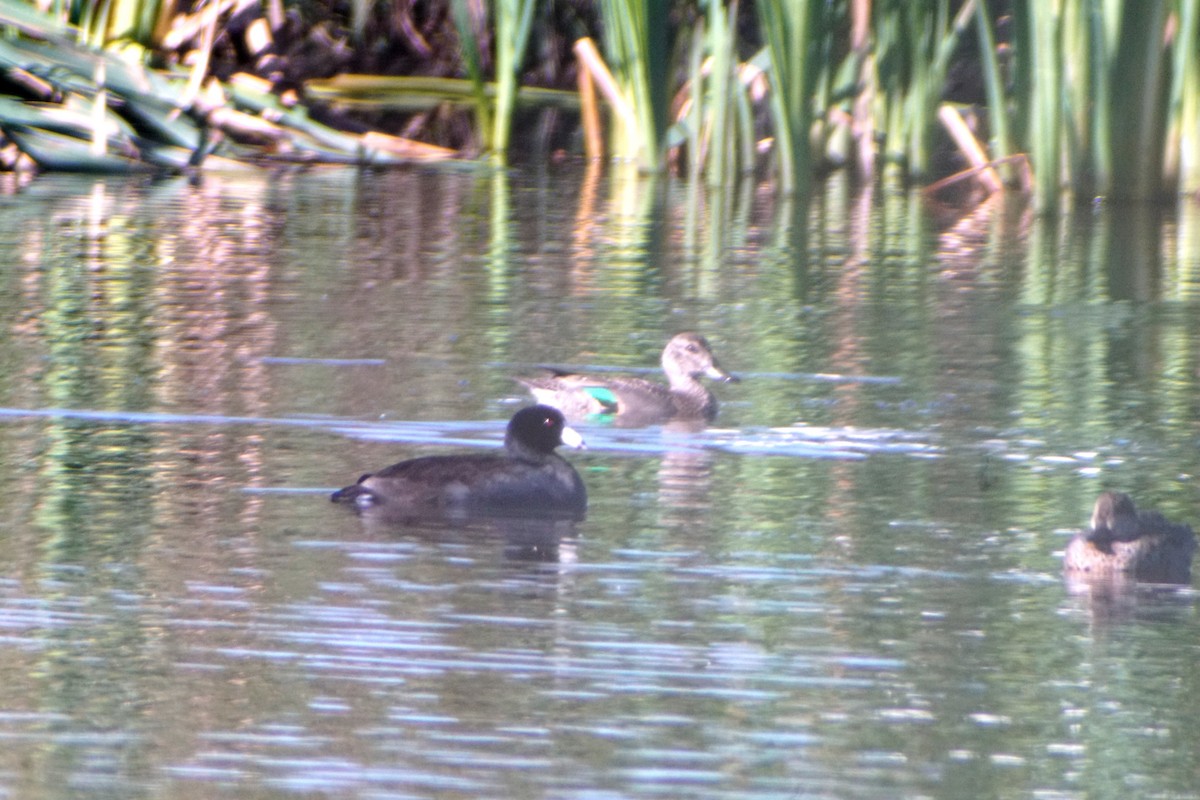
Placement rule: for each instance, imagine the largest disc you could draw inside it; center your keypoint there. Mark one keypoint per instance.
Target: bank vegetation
(1061, 99)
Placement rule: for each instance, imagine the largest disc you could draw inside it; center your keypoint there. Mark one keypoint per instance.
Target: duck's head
(1114, 518)
(689, 354)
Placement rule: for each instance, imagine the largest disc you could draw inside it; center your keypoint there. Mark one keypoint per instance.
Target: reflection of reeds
(213, 332)
(155, 314)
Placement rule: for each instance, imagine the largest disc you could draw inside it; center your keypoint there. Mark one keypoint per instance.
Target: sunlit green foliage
(1105, 96)
(1096, 98)
(636, 46)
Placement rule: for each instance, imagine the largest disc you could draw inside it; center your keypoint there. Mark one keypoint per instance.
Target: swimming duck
(1123, 541)
(528, 479)
(636, 401)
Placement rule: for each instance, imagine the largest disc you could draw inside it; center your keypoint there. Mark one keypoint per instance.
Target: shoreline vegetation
(1061, 100)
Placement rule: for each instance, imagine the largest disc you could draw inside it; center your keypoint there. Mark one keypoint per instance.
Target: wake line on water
(794, 442)
(361, 428)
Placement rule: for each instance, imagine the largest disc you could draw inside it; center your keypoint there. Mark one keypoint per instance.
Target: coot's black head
(540, 429)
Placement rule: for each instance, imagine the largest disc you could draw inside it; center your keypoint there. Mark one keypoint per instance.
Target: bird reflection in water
(684, 475)
(544, 538)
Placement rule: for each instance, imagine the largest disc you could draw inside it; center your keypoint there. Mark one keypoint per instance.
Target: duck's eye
(691, 348)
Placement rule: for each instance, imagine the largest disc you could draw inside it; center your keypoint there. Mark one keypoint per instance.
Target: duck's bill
(572, 439)
(718, 374)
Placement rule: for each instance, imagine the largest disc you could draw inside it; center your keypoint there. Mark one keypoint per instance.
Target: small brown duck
(1125, 542)
(636, 401)
(528, 479)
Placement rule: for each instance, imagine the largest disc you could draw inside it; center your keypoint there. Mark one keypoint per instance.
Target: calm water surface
(847, 588)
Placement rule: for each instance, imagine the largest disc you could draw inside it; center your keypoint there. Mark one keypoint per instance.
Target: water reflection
(522, 537)
(818, 594)
(685, 476)
(1120, 598)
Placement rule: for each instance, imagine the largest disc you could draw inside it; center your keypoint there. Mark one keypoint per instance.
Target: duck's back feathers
(576, 396)
(481, 483)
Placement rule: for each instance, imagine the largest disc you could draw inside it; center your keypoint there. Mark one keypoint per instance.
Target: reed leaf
(422, 91)
(695, 117)
(1088, 41)
(1041, 31)
(57, 151)
(997, 102)
(27, 19)
(788, 27)
(1182, 161)
(472, 55)
(513, 21)
(717, 90)
(635, 46)
(1136, 100)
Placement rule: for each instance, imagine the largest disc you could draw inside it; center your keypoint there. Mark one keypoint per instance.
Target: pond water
(847, 587)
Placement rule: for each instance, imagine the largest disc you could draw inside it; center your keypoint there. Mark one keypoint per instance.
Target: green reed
(1182, 158)
(718, 95)
(808, 74)
(1136, 120)
(469, 35)
(1041, 93)
(514, 19)
(790, 32)
(993, 82)
(1103, 98)
(1107, 97)
(102, 23)
(636, 46)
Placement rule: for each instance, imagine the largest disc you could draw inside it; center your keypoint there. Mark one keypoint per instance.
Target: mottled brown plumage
(636, 401)
(1125, 542)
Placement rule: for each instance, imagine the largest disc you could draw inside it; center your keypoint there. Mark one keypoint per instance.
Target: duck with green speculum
(1125, 542)
(633, 401)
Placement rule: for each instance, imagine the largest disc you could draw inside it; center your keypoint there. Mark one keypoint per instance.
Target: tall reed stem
(513, 21)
